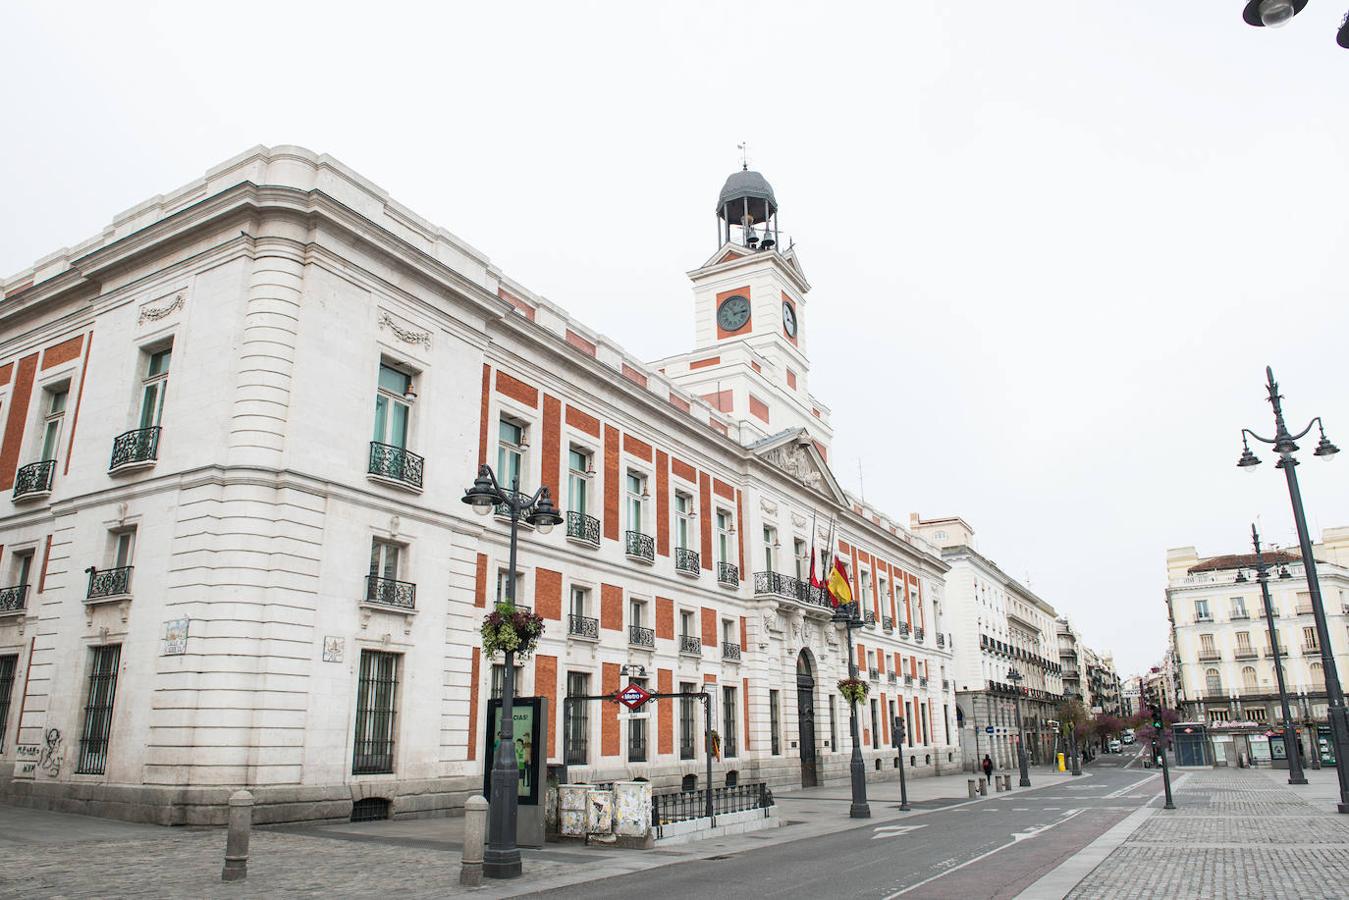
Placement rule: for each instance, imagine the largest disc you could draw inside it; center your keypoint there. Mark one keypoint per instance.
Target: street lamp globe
(544, 516)
(1274, 13)
(1248, 460)
(483, 495)
(1324, 448)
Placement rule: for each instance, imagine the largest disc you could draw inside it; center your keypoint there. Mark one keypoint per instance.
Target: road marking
(1017, 838)
(1115, 795)
(1052, 808)
(1020, 809)
(894, 830)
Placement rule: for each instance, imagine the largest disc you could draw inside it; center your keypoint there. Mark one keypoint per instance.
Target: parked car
(1115, 746)
(1128, 736)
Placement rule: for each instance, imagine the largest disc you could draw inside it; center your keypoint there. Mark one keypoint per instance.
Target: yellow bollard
(1062, 767)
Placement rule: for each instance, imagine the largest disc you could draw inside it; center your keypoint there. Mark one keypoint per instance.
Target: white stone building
(998, 625)
(238, 426)
(1225, 669)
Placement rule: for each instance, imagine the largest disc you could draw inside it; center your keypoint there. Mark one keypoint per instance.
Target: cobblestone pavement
(1235, 834)
(188, 863)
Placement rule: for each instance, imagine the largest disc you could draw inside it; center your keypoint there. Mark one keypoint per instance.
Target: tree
(1072, 716)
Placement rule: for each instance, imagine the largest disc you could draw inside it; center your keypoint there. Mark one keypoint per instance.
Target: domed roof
(746, 183)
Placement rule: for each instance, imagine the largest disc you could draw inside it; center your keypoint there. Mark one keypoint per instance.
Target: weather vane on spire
(743, 147)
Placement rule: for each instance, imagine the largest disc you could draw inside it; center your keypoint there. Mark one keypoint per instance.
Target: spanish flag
(838, 584)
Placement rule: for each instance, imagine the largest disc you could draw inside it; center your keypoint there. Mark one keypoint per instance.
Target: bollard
(974, 789)
(1007, 782)
(475, 833)
(236, 841)
(983, 788)
(998, 784)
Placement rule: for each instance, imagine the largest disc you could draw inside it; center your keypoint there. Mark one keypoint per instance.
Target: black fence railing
(34, 478)
(396, 464)
(583, 528)
(888, 624)
(387, 592)
(640, 546)
(642, 637)
(875, 674)
(666, 809)
(636, 746)
(730, 650)
(903, 629)
(583, 626)
(690, 644)
(13, 599)
(870, 619)
(108, 582)
(139, 446)
(941, 639)
(728, 573)
(686, 560)
(919, 634)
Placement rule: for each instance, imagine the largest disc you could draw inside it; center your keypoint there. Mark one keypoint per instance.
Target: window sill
(13, 613)
(32, 495)
(579, 541)
(572, 636)
(689, 573)
(394, 483)
(640, 559)
(729, 585)
(133, 466)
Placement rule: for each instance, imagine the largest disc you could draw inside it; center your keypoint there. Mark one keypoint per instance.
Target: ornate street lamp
(1276, 13)
(1295, 775)
(1016, 678)
(1284, 443)
(501, 857)
(849, 616)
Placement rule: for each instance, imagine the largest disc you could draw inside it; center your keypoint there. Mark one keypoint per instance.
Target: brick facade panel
(611, 607)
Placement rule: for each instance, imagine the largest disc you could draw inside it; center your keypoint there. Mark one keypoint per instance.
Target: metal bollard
(236, 842)
(998, 784)
(983, 787)
(1007, 782)
(974, 789)
(475, 834)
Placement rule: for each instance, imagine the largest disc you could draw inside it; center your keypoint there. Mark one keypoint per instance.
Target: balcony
(583, 626)
(870, 619)
(583, 529)
(108, 583)
(908, 680)
(13, 600)
(1210, 655)
(690, 645)
(135, 449)
(945, 684)
(903, 629)
(1246, 653)
(941, 640)
(1217, 694)
(730, 650)
(728, 574)
(639, 547)
(922, 681)
(687, 561)
(1304, 608)
(891, 677)
(1311, 649)
(1203, 617)
(1269, 652)
(1239, 615)
(919, 634)
(34, 480)
(888, 624)
(641, 637)
(396, 465)
(875, 674)
(387, 592)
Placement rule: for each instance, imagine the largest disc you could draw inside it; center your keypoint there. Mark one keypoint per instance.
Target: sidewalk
(78, 856)
(1236, 833)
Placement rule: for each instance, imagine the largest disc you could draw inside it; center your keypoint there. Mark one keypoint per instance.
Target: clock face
(788, 319)
(733, 313)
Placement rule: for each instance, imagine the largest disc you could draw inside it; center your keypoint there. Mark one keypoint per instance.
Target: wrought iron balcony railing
(903, 629)
(730, 650)
(1269, 652)
(941, 639)
(396, 464)
(870, 618)
(891, 677)
(888, 624)
(922, 681)
(641, 637)
(875, 674)
(583, 528)
(108, 582)
(34, 479)
(583, 626)
(387, 592)
(687, 561)
(945, 684)
(1246, 653)
(13, 599)
(728, 574)
(919, 634)
(1240, 615)
(135, 448)
(690, 644)
(908, 679)
(641, 547)
(1210, 655)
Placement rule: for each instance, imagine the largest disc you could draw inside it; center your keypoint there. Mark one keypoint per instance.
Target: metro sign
(633, 696)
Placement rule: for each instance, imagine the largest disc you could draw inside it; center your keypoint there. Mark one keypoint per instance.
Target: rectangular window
(124, 548)
(866, 587)
(1238, 607)
(636, 493)
(637, 732)
(1243, 641)
(153, 385)
(636, 612)
(687, 728)
(1206, 644)
(728, 635)
(686, 626)
(393, 406)
(384, 559)
(923, 711)
(1201, 613)
(774, 717)
(503, 586)
(1309, 639)
(685, 527)
(376, 696)
(7, 666)
(510, 455)
(728, 722)
(875, 726)
(802, 559)
(98, 709)
(723, 536)
(498, 680)
(833, 727)
(579, 601)
(23, 567)
(578, 480)
(576, 725)
(770, 542)
(53, 416)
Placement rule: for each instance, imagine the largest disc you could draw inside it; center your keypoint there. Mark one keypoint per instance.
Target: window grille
(98, 709)
(376, 694)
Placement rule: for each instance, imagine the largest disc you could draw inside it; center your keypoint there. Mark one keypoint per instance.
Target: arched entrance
(805, 717)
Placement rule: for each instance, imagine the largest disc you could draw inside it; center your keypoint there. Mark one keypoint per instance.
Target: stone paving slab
(1305, 829)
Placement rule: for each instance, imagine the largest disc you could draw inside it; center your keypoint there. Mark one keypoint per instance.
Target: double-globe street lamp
(1290, 741)
(501, 857)
(850, 617)
(1276, 13)
(1016, 678)
(1284, 443)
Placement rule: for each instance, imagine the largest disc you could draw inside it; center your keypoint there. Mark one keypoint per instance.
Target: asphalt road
(986, 849)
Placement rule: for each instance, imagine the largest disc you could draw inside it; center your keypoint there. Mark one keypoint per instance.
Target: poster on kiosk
(530, 722)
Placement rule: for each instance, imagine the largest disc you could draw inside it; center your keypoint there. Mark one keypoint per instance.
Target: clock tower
(749, 320)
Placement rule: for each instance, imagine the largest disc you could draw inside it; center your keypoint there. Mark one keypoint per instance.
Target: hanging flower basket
(716, 744)
(509, 628)
(854, 690)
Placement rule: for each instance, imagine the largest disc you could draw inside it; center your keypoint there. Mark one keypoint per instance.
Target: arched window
(1213, 682)
(1248, 678)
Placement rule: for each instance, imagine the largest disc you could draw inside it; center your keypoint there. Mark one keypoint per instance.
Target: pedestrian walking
(988, 768)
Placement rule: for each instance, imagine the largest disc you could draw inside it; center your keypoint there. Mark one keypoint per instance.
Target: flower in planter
(854, 690)
(508, 628)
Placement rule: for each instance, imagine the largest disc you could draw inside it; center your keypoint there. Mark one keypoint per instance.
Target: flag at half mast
(838, 584)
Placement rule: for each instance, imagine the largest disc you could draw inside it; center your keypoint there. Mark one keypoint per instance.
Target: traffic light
(1158, 725)
(897, 732)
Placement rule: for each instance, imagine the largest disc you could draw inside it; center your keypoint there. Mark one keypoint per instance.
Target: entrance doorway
(805, 717)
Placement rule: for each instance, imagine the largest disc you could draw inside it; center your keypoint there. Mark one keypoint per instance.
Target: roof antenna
(743, 147)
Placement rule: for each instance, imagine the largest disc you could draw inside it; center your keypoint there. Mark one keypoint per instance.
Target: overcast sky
(1052, 246)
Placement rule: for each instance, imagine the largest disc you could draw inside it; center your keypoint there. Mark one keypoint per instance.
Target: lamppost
(848, 616)
(1016, 678)
(1295, 775)
(501, 857)
(1284, 443)
(1276, 13)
